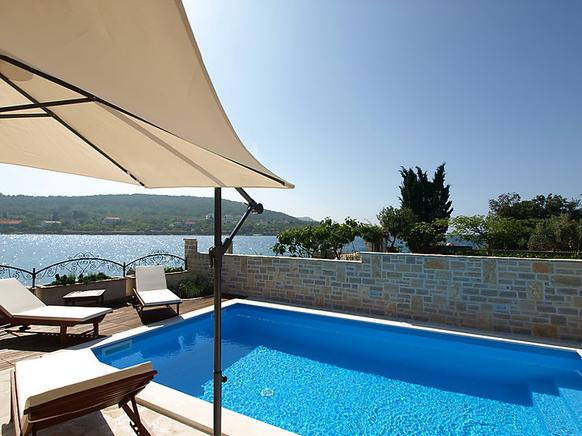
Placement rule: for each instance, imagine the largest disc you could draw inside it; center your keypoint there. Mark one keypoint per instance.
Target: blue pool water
(320, 375)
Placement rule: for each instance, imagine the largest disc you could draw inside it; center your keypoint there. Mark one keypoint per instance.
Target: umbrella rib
(10, 116)
(120, 109)
(22, 107)
(126, 119)
(70, 128)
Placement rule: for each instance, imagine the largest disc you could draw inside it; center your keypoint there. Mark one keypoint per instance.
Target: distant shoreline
(152, 233)
(136, 214)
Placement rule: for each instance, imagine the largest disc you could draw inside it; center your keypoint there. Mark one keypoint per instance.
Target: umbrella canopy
(115, 90)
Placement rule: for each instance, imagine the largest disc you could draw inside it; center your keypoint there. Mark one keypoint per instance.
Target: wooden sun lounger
(63, 324)
(54, 406)
(22, 307)
(151, 289)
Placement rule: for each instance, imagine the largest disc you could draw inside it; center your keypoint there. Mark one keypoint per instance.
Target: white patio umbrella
(118, 90)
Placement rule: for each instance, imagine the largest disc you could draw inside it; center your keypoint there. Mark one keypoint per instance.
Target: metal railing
(87, 263)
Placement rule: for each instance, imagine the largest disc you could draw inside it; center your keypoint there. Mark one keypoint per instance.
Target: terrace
(374, 345)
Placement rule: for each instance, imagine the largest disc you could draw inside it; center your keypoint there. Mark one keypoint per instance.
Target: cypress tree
(429, 200)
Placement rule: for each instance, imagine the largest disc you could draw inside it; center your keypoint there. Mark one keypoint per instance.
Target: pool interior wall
(316, 374)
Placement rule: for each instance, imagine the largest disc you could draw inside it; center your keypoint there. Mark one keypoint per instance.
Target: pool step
(558, 416)
(573, 399)
(572, 395)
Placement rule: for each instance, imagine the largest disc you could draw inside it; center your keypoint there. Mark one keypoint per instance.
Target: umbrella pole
(218, 253)
(216, 257)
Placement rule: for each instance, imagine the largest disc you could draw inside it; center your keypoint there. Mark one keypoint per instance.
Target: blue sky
(335, 96)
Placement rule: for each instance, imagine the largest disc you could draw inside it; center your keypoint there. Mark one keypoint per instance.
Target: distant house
(49, 223)
(190, 223)
(9, 222)
(111, 220)
(227, 219)
(209, 216)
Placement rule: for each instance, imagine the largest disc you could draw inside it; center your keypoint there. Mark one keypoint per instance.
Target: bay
(28, 251)
(38, 251)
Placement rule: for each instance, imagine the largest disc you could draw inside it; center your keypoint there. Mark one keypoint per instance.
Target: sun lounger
(55, 389)
(151, 288)
(22, 307)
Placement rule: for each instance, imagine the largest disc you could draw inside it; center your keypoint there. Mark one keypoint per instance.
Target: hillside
(137, 213)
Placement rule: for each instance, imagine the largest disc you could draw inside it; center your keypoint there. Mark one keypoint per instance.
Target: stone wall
(534, 297)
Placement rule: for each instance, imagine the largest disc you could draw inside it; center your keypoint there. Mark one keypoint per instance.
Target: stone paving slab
(110, 421)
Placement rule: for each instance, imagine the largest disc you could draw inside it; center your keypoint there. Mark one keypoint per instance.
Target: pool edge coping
(197, 413)
(165, 400)
(489, 336)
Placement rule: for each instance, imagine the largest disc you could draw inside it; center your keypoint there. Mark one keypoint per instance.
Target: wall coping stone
(263, 256)
(461, 256)
(525, 296)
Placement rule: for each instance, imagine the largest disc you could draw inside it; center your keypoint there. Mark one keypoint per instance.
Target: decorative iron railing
(8, 271)
(158, 258)
(86, 263)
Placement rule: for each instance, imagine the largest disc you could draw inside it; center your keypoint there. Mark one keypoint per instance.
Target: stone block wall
(534, 297)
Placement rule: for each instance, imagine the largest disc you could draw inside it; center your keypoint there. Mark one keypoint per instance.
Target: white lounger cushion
(151, 287)
(60, 374)
(158, 297)
(17, 301)
(14, 297)
(63, 313)
(150, 278)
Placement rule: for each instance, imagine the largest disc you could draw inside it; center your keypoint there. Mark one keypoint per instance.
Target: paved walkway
(110, 421)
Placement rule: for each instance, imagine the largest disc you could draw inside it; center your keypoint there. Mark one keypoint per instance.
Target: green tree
(326, 239)
(542, 238)
(539, 207)
(429, 200)
(396, 223)
(542, 223)
(297, 241)
(423, 236)
(492, 232)
(558, 233)
(372, 234)
(474, 229)
(508, 233)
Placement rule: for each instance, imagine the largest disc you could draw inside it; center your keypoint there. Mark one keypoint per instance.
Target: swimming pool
(325, 374)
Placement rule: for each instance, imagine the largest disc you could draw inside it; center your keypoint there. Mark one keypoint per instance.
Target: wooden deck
(16, 345)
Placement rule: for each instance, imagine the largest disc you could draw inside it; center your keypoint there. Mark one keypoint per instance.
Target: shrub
(463, 251)
(200, 286)
(66, 279)
(92, 277)
(324, 240)
(70, 279)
